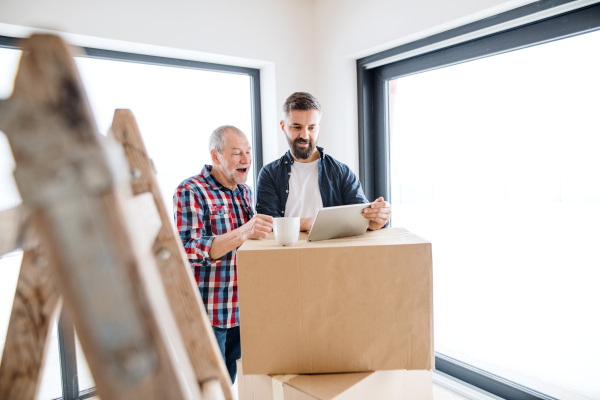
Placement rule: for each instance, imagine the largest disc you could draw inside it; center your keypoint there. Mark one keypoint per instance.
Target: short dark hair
(301, 101)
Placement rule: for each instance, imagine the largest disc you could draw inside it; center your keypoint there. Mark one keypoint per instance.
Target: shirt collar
(288, 154)
(212, 181)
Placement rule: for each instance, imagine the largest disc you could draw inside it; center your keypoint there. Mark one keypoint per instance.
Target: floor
(439, 393)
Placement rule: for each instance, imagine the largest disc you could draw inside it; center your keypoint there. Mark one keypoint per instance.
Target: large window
(493, 157)
(177, 104)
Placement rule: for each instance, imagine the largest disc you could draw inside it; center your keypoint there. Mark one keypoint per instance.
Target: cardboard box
(356, 304)
(381, 385)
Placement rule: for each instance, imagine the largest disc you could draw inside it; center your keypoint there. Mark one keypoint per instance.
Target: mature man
(306, 179)
(214, 216)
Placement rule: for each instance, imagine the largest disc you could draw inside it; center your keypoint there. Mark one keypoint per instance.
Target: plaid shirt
(203, 209)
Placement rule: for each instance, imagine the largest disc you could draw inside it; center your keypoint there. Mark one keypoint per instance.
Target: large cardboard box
(356, 304)
(380, 385)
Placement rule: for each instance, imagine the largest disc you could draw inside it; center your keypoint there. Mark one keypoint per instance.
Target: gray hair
(217, 137)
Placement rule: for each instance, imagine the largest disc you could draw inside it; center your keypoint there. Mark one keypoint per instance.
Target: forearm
(225, 243)
(306, 224)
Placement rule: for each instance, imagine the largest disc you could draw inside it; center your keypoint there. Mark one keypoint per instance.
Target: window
(493, 158)
(177, 104)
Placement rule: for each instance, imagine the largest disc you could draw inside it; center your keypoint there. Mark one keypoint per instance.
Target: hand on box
(258, 227)
(378, 213)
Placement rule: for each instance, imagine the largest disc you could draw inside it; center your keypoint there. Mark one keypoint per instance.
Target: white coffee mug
(287, 230)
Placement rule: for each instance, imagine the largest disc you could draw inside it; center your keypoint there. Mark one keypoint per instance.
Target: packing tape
(278, 381)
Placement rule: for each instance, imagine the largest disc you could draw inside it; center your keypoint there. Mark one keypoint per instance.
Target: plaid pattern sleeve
(189, 213)
(203, 210)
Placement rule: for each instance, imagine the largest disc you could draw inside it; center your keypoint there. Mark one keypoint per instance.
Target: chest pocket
(219, 220)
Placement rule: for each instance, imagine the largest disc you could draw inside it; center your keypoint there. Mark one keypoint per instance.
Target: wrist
(242, 235)
(374, 226)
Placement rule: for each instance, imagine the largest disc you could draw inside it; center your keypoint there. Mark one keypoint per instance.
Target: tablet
(342, 221)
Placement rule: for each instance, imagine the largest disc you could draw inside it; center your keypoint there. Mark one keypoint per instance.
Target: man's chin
(303, 153)
(240, 177)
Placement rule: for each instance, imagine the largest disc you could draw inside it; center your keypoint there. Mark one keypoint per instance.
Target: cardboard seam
(278, 381)
(302, 391)
(310, 393)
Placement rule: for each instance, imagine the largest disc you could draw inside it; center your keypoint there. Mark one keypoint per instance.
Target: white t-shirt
(304, 198)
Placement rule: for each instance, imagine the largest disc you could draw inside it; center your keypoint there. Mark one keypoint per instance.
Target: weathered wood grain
(79, 186)
(34, 309)
(174, 268)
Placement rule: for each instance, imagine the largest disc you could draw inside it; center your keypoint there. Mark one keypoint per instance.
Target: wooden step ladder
(97, 237)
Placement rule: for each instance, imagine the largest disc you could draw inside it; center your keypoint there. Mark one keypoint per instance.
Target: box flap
(391, 236)
(380, 385)
(327, 386)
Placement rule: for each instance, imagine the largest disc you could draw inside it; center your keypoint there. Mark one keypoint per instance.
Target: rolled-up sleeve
(189, 215)
(351, 188)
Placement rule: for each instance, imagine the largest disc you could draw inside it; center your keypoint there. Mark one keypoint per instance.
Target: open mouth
(242, 170)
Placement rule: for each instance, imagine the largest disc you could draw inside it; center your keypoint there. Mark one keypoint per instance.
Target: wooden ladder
(97, 238)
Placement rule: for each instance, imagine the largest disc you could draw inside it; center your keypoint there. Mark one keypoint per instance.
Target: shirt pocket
(219, 220)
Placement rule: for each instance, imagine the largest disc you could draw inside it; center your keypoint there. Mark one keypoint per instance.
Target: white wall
(299, 45)
(350, 29)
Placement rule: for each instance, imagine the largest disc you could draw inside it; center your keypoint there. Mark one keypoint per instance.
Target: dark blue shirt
(337, 183)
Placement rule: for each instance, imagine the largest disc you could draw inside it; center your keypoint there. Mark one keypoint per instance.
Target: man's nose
(246, 158)
(304, 133)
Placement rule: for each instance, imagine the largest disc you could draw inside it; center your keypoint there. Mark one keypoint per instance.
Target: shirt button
(289, 173)
(287, 191)
(286, 162)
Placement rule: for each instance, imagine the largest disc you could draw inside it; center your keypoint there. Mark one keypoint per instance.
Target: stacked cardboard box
(347, 305)
(380, 385)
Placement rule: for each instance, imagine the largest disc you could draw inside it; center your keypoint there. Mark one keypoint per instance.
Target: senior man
(214, 216)
(306, 179)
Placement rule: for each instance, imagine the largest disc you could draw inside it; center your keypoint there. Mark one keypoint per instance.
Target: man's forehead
(236, 140)
(303, 117)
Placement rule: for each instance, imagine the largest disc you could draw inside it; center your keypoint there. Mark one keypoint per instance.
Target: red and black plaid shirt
(204, 209)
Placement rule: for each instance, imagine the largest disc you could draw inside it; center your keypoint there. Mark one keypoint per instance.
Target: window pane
(86, 381)
(176, 110)
(496, 162)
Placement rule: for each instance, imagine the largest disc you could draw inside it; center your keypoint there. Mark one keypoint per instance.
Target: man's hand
(258, 227)
(306, 224)
(378, 213)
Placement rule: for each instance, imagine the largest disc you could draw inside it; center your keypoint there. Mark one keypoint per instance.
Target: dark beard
(301, 153)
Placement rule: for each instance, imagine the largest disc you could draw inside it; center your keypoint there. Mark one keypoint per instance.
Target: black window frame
(373, 118)
(66, 331)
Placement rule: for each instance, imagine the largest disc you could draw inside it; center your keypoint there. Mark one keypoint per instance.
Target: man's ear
(282, 125)
(215, 157)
